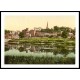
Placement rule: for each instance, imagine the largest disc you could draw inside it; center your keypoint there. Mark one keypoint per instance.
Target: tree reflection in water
(7, 48)
(40, 48)
(21, 49)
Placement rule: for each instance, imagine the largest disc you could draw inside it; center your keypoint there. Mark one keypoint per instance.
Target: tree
(21, 34)
(64, 34)
(56, 28)
(59, 34)
(62, 28)
(73, 31)
(21, 49)
(47, 30)
(7, 31)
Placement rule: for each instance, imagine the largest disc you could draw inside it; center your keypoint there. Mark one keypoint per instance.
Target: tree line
(62, 31)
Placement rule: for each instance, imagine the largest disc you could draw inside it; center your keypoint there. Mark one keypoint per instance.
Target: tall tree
(64, 34)
(7, 31)
(21, 34)
(47, 30)
(56, 28)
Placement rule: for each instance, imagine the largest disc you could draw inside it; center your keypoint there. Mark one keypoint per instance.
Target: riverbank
(38, 60)
(43, 41)
(40, 51)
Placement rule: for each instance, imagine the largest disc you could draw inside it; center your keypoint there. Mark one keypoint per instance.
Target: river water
(39, 50)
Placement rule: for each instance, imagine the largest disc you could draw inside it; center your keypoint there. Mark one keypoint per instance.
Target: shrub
(38, 60)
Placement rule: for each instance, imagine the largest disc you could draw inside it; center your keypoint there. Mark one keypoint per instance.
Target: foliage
(21, 35)
(44, 40)
(47, 30)
(64, 34)
(7, 31)
(56, 28)
(73, 31)
(38, 60)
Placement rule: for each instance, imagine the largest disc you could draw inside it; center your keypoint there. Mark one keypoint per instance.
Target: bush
(38, 60)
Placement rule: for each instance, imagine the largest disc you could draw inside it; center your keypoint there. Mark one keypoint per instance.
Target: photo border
(41, 67)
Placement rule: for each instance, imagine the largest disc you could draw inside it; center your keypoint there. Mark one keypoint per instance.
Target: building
(32, 33)
(27, 35)
(47, 26)
(71, 35)
(37, 28)
(39, 34)
(12, 35)
(8, 36)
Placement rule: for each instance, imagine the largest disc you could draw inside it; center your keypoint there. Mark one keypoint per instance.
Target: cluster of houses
(36, 32)
(12, 35)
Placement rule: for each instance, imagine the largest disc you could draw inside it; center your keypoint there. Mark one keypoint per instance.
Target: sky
(21, 22)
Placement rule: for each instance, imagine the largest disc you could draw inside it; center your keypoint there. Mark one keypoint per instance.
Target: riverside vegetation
(40, 51)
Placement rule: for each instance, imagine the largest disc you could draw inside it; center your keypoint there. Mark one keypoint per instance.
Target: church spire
(47, 26)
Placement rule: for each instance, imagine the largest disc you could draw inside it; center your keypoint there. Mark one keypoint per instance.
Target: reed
(38, 60)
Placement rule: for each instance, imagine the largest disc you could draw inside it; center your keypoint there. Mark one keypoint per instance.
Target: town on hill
(56, 32)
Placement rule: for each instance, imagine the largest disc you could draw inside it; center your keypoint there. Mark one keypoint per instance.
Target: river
(39, 50)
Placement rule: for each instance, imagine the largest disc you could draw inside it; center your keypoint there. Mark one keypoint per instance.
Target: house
(54, 34)
(8, 36)
(39, 34)
(15, 34)
(32, 32)
(27, 34)
(70, 35)
(12, 35)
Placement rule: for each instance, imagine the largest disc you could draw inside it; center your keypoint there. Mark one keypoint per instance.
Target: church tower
(47, 26)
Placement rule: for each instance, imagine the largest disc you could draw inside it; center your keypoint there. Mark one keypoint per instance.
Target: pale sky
(22, 22)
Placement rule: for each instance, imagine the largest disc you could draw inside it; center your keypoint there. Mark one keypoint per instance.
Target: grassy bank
(38, 60)
(44, 41)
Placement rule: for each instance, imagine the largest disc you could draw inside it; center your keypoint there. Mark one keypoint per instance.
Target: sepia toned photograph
(40, 39)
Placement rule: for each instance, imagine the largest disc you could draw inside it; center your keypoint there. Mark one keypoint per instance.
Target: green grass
(45, 41)
(38, 60)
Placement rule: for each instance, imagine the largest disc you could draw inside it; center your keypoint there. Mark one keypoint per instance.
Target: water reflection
(21, 49)
(7, 48)
(62, 51)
